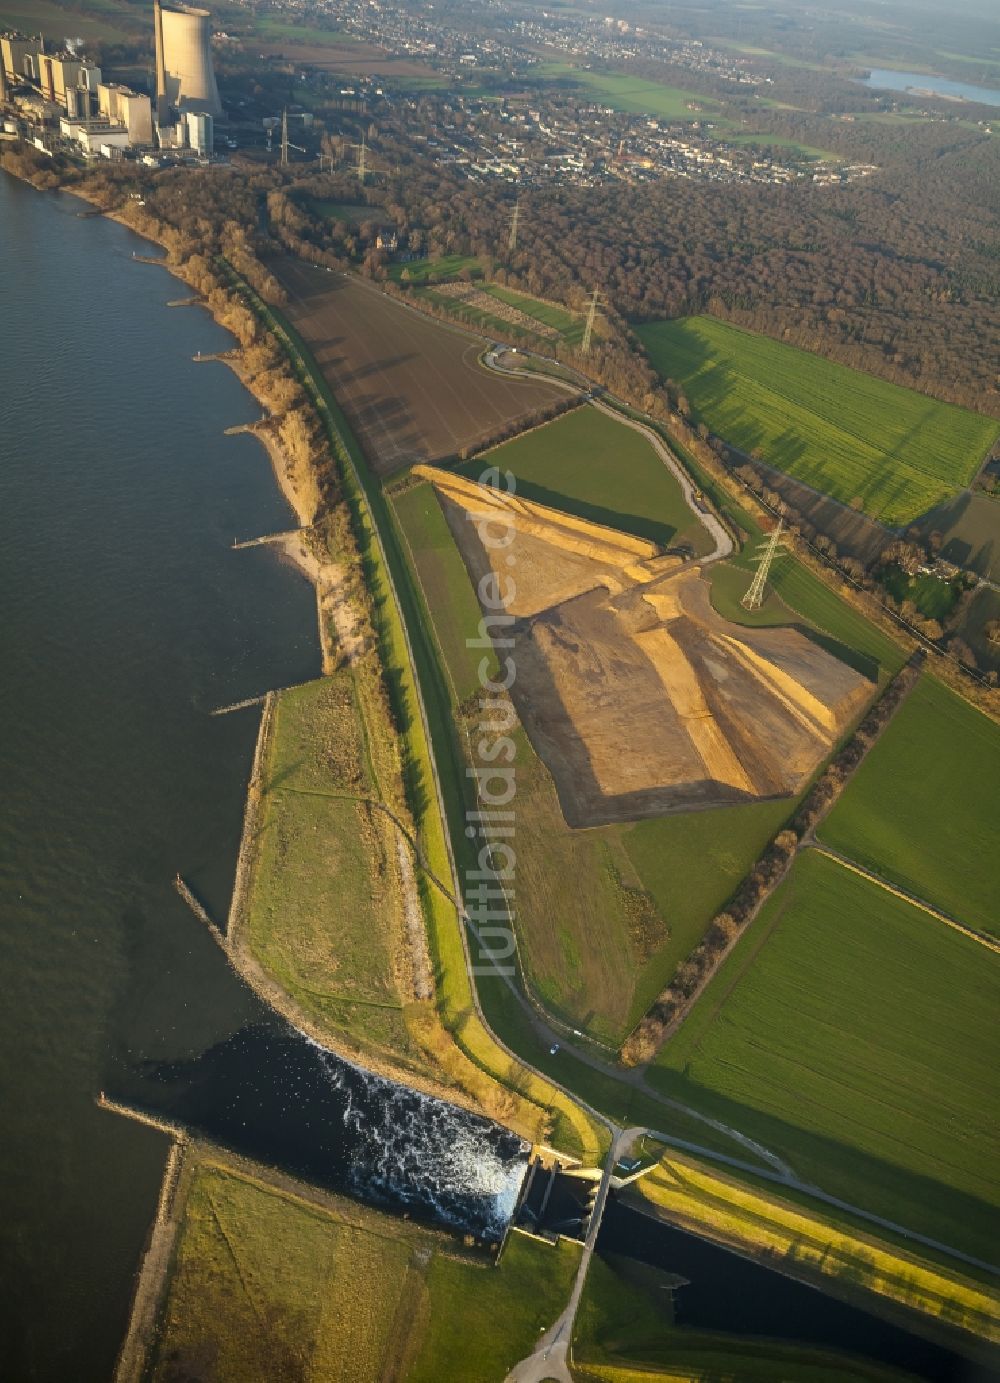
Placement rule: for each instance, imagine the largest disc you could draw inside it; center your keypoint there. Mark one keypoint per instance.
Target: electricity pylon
(588, 330)
(512, 238)
(766, 554)
(285, 146)
(362, 149)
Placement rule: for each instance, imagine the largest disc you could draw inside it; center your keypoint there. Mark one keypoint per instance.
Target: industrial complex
(62, 96)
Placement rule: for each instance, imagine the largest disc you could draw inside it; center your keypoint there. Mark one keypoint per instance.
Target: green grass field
(424, 270)
(323, 915)
(848, 434)
(446, 586)
(269, 1285)
(856, 1036)
(273, 30)
(922, 809)
(352, 213)
(588, 464)
(932, 597)
(633, 95)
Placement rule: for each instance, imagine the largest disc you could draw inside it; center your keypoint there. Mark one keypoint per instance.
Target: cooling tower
(187, 59)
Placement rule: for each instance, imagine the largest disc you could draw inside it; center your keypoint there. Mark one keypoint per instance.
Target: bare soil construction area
(413, 389)
(639, 697)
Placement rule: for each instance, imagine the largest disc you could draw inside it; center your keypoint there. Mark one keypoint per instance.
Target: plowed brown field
(413, 388)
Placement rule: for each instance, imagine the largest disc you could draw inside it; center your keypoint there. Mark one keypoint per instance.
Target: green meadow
(923, 808)
(860, 439)
(323, 914)
(856, 1036)
(633, 95)
(595, 467)
(438, 270)
(267, 1284)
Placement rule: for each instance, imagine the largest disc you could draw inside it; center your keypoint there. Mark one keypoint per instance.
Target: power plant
(185, 77)
(107, 118)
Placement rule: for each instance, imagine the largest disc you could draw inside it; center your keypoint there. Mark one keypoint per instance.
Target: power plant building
(185, 76)
(200, 131)
(135, 112)
(17, 55)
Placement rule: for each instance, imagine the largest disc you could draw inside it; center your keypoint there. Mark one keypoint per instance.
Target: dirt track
(413, 388)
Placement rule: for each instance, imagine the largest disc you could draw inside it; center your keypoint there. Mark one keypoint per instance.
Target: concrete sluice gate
(555, 1203)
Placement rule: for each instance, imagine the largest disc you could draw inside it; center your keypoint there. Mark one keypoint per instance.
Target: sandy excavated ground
(637, 695)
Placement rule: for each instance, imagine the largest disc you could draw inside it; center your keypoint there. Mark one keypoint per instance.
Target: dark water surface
(728, 1294)
(124, 618)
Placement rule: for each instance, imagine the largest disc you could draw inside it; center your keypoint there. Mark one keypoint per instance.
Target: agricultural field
(267, 1283)
(922, 809)
(569, 325)
(412, 388)
(874, 1088)
(633, 95)
(324, 916)
(498, 311)
(589, 464)
(104, 21)
(859, 439)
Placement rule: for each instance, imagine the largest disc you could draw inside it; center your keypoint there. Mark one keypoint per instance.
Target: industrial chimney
(185, 57)
(162, 104)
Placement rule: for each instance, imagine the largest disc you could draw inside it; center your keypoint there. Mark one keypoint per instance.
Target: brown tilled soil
(639, 698)
(412, 388)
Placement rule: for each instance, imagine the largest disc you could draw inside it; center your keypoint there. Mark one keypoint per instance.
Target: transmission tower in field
(362, 158)
(512, 238)
(588, 330)
(285, 145)
(766, 554)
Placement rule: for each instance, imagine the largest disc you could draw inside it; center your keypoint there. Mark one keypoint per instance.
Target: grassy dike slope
(272, 1282)
(856, 1036)
(759, 1220)
(844, 432)
(540, 1107)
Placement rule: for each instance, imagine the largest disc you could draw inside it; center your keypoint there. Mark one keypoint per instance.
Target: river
(124, 618)
(918, 83)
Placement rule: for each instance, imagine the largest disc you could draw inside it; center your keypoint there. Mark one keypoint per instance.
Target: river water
(888, 79)
(124, 618)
